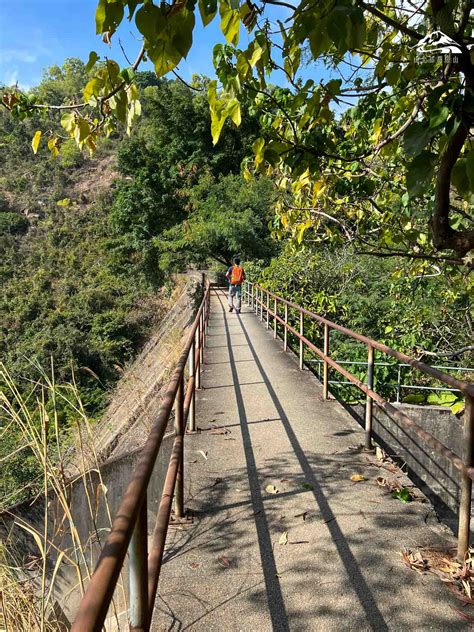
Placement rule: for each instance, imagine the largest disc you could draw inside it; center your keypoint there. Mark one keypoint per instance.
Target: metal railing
(259, 299)
(398, 386)
(129, 530)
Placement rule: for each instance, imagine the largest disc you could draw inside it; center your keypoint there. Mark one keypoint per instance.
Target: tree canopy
(380, 154)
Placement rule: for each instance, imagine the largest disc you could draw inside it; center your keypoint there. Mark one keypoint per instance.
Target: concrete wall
(90, 517)
(434, 474)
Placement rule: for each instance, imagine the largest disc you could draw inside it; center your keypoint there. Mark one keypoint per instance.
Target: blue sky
(36, 34)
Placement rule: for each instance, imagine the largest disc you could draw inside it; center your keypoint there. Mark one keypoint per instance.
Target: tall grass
(30, 597)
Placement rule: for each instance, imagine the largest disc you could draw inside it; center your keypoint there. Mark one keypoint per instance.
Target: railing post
(261, 304)
(466, 481)
(201, 338)
(369, 404)
(399, 381)
(268, 309)
(275, 322)
(197, 356)
(325, 367)
(192, 384)
(138, 572)
(179, 431)
(285, 333)
(301, 342)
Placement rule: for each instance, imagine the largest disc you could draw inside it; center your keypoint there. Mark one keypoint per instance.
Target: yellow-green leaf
(230, 23)
(53, 146)
(68, 122)
(36, 141)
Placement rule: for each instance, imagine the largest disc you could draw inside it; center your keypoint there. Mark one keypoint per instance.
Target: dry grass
(28, 583)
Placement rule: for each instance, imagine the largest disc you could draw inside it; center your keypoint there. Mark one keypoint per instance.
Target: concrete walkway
(263, 422)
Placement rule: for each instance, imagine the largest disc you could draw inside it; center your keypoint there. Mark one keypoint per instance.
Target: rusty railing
(258, 298)
(129, 527)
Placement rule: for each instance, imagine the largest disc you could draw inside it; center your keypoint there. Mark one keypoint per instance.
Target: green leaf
(150, 21)
(132, 5)
(92, 90)
(174, 41)
(470, 169)
(416, 138)
(108, 15)
(36, 141)
(93, 58)
(419, 174)
(207, 10)
(127, 74)
(334, 86)
(338, 28)
(460, 177)
(402, 494)
(438, 116)
(393, 75)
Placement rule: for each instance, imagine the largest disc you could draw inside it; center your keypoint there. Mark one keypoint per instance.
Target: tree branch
(412, 255)
(388, 20)
(450, 355)
(444, 236)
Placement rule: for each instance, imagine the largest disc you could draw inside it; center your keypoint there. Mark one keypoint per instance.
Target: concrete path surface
(321, 554)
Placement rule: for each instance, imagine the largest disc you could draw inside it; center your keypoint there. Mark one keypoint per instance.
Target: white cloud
(10, 77)
(22, 56)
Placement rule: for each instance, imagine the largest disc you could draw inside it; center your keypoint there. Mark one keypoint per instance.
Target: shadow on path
(276, 605)
(373, 615)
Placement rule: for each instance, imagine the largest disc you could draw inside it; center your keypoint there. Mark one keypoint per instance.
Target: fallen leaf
(283, 538)
(271, 489)
(224, 561)
(301, 515)
(204, 454)
(380, 454)
(357, 477)
(285, 480)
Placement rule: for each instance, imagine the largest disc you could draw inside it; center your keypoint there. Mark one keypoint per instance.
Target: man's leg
(238, 291)
(230, 297)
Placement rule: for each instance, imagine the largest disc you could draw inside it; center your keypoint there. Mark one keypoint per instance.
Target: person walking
(236, 276)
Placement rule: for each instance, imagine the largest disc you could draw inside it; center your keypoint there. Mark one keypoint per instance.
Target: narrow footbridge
(271, 517)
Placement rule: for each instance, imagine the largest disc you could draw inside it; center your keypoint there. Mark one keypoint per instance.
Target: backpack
(237, 275)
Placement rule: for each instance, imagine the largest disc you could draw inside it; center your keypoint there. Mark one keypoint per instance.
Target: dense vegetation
(89, 245)
(378, 151)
